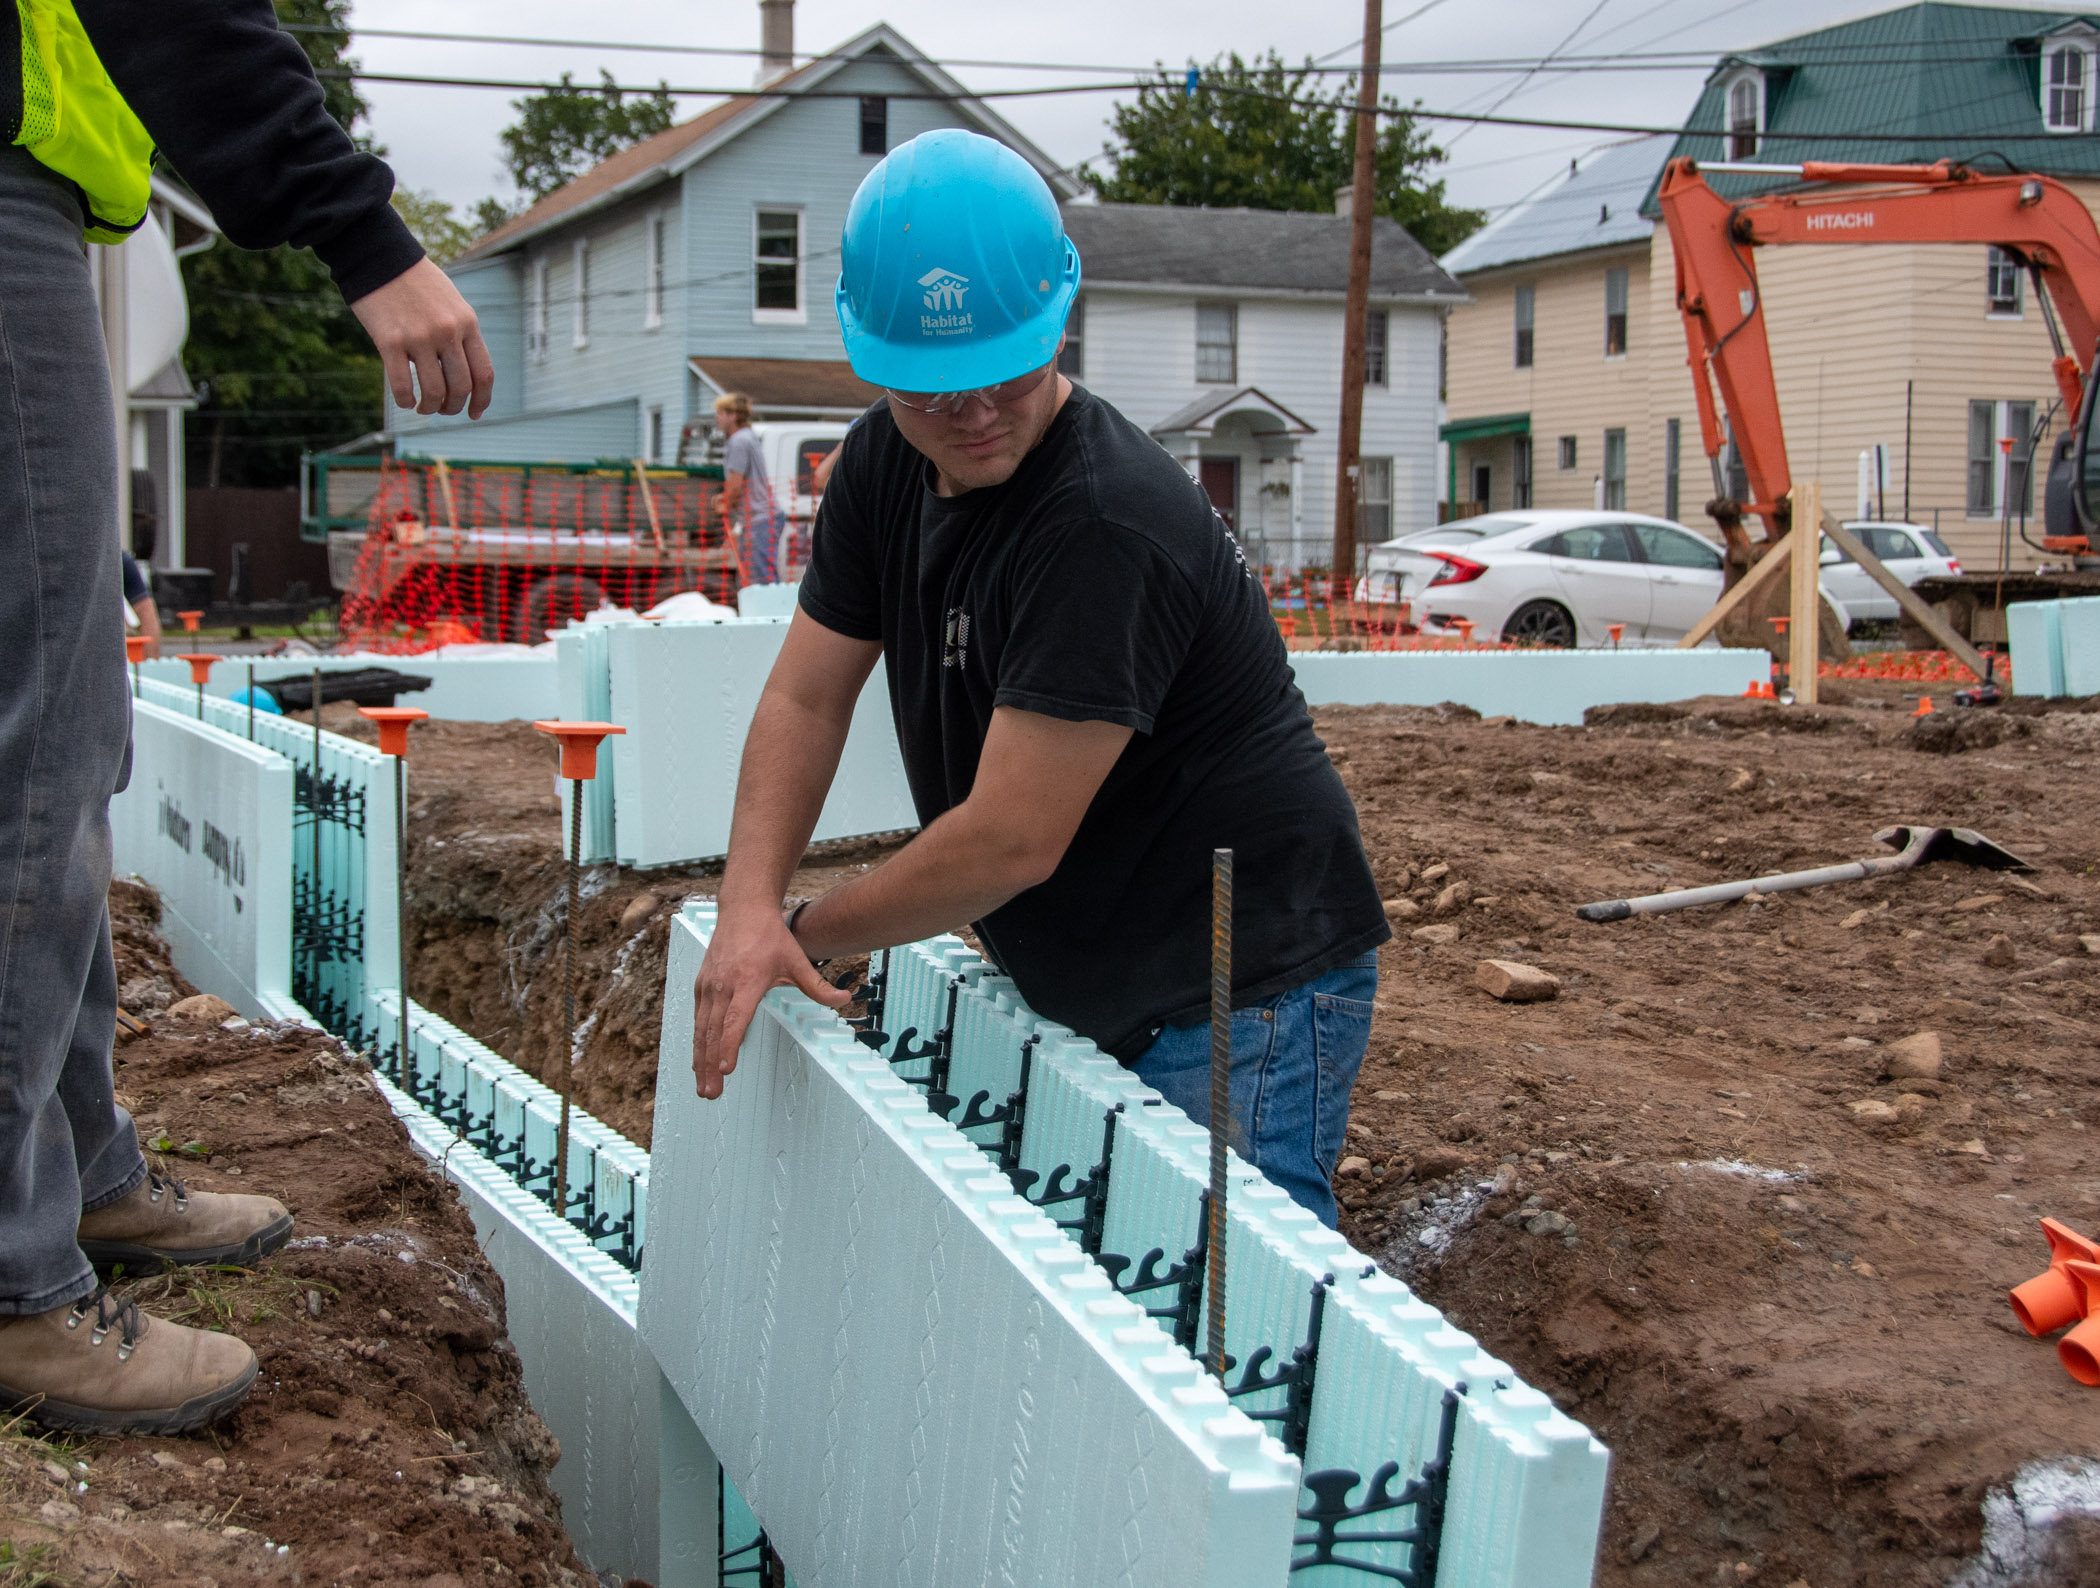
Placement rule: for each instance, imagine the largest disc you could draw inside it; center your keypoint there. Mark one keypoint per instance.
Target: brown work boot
(100, 1366)
(162, 1222)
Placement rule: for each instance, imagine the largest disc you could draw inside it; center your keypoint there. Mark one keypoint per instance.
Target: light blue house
(699, 261)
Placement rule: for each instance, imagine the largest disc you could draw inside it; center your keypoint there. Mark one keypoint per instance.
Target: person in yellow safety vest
(90, 91)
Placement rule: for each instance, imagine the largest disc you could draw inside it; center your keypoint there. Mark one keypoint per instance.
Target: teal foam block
(686, 693)
(767, 600)
(2080, 624)
(583, 693)
(910, 1373)
(1549, 687)
(207, 819)
(463, 688)
(2035, 632)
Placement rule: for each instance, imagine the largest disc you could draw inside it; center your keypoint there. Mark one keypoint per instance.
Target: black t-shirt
(1097, 585)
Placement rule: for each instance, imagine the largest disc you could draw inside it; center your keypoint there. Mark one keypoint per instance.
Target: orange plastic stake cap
(579, 744)
(1778, 623)
(190, 620)
(135, 646)
(1924, 706)
(200, 667)
(2053, 1298)
(1615, 630)
(2079, 1351)
(393, 723)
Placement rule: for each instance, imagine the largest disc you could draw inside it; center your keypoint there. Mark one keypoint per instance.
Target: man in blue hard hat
(1089, 694)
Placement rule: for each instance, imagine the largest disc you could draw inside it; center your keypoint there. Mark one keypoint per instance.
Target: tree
(1265, 136)
(563, 131)
(283, 366)
(444, 233)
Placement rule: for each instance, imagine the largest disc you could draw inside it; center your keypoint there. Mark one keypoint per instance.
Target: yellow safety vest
(75, 122)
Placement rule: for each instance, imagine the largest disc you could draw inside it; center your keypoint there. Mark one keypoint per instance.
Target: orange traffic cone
(2079, 1351)
(2054, 1297)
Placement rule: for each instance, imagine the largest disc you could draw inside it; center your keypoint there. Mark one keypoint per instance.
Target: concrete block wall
(207, 818)
(1549, 687)
(911, 1373)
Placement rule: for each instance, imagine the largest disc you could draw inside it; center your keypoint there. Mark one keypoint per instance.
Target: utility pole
(1348, 459)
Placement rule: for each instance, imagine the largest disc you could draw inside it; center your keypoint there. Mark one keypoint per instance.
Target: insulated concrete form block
(686, 693)
(207, 819)
(583, 693)
(1550, 687)
(463, 688)
(2035, 632)
(570, 1313)
(910, 1373)
(2080, 621)
(767, 600)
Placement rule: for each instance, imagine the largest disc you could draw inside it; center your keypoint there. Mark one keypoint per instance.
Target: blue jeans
(1294, 1059)
(65, 718)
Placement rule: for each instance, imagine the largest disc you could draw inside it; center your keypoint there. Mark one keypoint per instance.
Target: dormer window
(2067, 84)
(1746, 115)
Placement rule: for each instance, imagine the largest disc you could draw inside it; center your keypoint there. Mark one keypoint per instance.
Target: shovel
(1915, 846)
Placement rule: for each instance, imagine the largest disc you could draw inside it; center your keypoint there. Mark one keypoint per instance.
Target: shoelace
(110, 1312)
(160, 1183)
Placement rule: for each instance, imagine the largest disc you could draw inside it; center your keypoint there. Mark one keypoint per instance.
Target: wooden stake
(656, 528)
(444, 475)
(1805, 632)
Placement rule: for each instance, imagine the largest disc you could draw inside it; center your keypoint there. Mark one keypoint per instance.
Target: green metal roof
(1917, 84)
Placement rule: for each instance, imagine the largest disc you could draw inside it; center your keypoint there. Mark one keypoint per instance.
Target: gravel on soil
(1653, 1193)
(388, 1439)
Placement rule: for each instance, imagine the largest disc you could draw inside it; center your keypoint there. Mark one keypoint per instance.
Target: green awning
(1480, 429)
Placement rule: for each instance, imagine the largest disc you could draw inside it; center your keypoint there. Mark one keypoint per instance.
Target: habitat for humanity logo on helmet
(943, 294)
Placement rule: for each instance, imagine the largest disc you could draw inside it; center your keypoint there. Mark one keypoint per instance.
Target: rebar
(568, 1003)
(401, 1076)
(317, 807)
(1220, 1092)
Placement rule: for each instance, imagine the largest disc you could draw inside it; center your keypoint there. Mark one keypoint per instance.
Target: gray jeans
(65, 1145)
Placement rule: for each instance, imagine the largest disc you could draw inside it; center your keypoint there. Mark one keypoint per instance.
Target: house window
(2067, 92)
(653, 441)
(1983, 460)
(2001, 284)
(1483, 478)
(1527, 306)
(1217, 342)
(1614, 313)
(1673, 447)
(2018, 422)
(1746, 106)
(777, 261)
(1374, 501)
(1615, 470)
(1072, 361)
(580, 283)
(536, 317)
(1376, 326)
(1520, 473)
(874, 125)
(653, 275)
(1565, 458)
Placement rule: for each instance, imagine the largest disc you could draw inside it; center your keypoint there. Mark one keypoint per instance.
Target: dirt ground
(1655, 1194)
(387, 1439)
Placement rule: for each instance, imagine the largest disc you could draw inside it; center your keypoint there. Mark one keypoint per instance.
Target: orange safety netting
(483, 552)
(1310, 618)
(1916, 667)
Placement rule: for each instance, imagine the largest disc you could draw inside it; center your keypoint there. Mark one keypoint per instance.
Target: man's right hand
(750, 954)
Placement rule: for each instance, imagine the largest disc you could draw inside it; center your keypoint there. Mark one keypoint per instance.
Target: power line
(1421, 10)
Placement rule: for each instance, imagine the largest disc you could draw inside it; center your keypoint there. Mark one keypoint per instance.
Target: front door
(1221, 483)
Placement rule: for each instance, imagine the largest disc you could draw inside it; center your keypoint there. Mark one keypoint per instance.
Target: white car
(1555, 578)
(1909, 551)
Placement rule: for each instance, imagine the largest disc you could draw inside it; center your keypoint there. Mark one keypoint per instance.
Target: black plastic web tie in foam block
(1091, 1192)
(1426, 1494)
(1293, 1418)
(1185, 1278)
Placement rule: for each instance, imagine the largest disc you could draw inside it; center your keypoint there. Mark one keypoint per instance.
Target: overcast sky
(444, 139)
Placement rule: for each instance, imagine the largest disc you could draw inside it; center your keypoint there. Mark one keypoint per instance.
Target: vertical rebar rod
(1220, 1094)
(401, 915)
(313, 789)
(568, 1004)
(251, 703)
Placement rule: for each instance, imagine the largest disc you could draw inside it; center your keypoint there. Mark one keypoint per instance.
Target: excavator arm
(1714, 240)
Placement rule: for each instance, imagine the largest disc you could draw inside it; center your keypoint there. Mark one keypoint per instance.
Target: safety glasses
(953, 402)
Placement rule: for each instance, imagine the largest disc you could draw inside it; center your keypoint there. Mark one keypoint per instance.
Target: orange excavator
(2041, 223)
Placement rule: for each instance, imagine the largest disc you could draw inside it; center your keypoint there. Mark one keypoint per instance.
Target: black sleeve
(842, 586)
(1101, 620)
(135, 587)
(234, 106)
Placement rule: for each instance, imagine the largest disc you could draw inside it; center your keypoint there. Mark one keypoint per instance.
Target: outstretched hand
(749, 955)
(418, 321)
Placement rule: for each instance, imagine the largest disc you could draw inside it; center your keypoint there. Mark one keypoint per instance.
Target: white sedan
(1553, 578)
(1909, 551)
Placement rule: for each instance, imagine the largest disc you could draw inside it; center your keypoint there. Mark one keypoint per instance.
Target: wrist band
(794, 914)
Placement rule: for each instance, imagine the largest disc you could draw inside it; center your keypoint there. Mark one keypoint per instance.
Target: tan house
(1566, 379)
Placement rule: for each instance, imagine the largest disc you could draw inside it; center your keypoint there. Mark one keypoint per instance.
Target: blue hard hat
(957, 271)
(258, 697)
